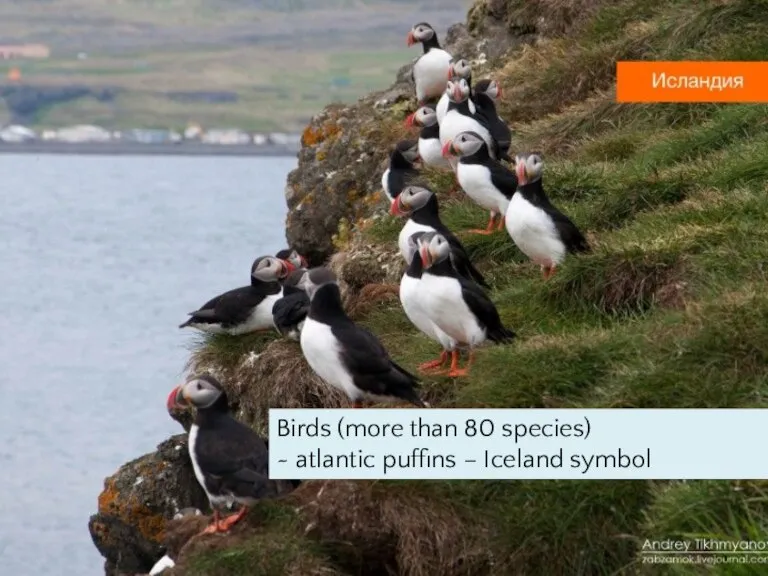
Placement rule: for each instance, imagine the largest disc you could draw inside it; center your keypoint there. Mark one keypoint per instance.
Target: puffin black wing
(291, 309)
(371, 367)
(503, 179)
(234, 459)
(233, 307)
(500, 132)
(571, 236)
(460, 258)
(485, 312)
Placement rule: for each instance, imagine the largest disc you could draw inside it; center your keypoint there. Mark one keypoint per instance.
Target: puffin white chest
(534, 232)
(322, 352)
(455, 123)
(260, 318)
(430, 73)
(431, 152)
(444, 303)
(194, 431)
(475, 180)
(409, 230)
(411, 299)
(385, 184)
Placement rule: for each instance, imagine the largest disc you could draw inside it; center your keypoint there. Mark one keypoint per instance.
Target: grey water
(101, 259)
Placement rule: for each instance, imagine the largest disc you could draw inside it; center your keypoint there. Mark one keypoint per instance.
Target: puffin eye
(199, 386)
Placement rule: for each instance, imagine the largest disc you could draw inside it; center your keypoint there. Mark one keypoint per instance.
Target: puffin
(430, 150)
(540, 230)
(459, 119)
(423, 212)
(486, 181)
(292, 256)
(347, 356)
(411, 302)
(290, 311)
(430, 71)
(484, 95)
(401, 167)
(230, 461)
(246, 309)
(458, 306)
(458, 69)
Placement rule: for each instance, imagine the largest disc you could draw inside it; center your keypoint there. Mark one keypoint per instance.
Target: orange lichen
(107, 497)
(132, 511)
(310, 136)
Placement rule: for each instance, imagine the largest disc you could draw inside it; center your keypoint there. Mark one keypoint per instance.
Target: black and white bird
(290, 311)
(458, 69)
(401, 168)
(458, 306)
(459, 119)
(421, 207)
(292, 256)
(486, 181)
(347, 356)
(246, 309)
(430, 71)
(430, 149)
(484, 95)
(230, 461)
(540, 230)
(410, 298)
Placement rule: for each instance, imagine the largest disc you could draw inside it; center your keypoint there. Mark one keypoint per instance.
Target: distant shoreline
(140, 149)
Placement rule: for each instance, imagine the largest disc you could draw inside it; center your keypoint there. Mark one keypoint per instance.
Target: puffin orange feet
(230, 521)
(215, 526)
(548, 271)
(434, 364)
(489, 229)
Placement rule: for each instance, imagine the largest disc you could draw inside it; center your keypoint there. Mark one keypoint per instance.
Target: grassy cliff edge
(670, 310)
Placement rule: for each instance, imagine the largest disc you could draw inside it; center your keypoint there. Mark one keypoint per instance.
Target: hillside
(670, 310)
(266, 65)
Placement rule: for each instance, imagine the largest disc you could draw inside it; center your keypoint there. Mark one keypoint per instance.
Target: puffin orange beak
(287, 267)
(411, 38)
(450, 73)
(410, 120)
(448, 149)
(499, 92)
(426, 257)
(176, 399)
(304, 263)
(522, 174)
(396, 209)
(457, 95)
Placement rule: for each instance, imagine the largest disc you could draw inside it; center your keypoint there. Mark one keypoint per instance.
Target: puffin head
(489, 87)
(317, 277)
(292, 256)
(457, 90)
(413, 241)
(271, 269)
(201, 391)
(528, 168)
(424, 116)
(409, 200)
(459, 69)
(465, 144)
(420, 32)
(433, 248)
(408, 149)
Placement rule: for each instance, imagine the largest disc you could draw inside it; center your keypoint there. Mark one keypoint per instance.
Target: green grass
(669, 310)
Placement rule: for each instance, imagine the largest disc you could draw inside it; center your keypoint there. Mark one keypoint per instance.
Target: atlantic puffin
(430, 149)
(347, 356)
(230, 461)
(459, 119)
(456, 305)
(421, 207)
(246, 309)
(401, 168)
(290, 311)
(458, 69)
(292, 256)
(540, 230)
(484, 95)
(486, 181)
(410, 298)
(430, 72)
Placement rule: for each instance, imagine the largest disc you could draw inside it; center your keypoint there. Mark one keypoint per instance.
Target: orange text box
(745, 82)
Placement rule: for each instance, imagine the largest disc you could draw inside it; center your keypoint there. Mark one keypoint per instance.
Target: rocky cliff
(670, 310)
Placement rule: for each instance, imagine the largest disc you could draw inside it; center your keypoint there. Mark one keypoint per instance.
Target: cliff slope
(670, 309)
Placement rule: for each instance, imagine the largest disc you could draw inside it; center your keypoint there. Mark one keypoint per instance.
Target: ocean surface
(101, 259)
